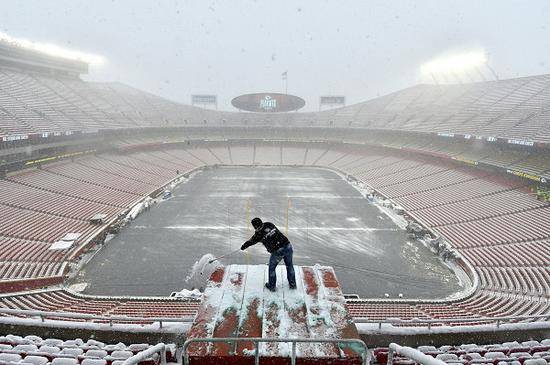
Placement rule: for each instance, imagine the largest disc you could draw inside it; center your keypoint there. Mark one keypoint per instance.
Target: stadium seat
(34, 339)
(121, 354)
(537, 361)
(53, 342)
(93, 361)
(36, 360)
(6, 357)
(137, 347)
(98, 354)
(49, 349)
(72, 351)
(73, 343)
(110, 348)
(24, 349)
(446, 357)
(64, 361)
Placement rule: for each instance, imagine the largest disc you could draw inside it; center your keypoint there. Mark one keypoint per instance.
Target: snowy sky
(360, 49)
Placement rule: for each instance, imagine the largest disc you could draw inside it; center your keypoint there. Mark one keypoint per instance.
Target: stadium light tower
(456, 65)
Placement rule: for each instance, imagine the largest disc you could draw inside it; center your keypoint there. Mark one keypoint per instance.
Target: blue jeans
(284, 253)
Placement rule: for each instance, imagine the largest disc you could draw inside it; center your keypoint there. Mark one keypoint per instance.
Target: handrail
(257, 340)
(429, 322)
(413, 354)
(91, 317)
(497, 320)
(145, 354)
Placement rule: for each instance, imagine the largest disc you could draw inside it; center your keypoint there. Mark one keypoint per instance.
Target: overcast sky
(359, 49)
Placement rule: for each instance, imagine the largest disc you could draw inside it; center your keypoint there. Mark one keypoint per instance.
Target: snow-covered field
(329, 222)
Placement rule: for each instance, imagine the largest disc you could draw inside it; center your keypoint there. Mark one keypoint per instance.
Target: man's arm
(252, 241)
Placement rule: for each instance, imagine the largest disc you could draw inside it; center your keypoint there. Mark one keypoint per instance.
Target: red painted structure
(236, 304)
(29, 284)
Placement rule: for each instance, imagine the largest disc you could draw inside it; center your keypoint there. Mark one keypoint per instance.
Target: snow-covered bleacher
(483, 215)
(58, 300)
(461, 122)
(530, 352)
(509, 109)
(41, 206)
(34, 350)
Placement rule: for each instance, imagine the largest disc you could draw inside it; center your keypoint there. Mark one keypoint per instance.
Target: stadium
(430, 205)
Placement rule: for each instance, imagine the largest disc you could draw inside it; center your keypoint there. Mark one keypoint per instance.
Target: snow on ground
(139, 208)
(148, 201)
(80, 287)
(201, 271)
(385, 207)
(187, 294)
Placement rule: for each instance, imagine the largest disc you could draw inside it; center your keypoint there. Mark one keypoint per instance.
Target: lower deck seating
(508, 353)
(34, 350)
(502, 230)
(40, 206)
(59, 300)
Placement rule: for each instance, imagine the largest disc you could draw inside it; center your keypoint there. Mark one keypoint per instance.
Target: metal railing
(257, 340)
(145, 354)
(421, 358)
(412, 354)
(498, 321)
(429, 323)
(92, 317)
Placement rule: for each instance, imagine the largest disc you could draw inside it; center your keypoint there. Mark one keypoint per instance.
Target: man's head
(256, 223)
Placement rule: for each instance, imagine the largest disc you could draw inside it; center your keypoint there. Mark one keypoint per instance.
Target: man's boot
(270, 288)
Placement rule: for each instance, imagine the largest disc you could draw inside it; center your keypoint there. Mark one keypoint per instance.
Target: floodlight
(53, 50)
(458, 63)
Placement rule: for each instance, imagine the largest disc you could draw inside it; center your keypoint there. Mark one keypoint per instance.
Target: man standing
(278, 246)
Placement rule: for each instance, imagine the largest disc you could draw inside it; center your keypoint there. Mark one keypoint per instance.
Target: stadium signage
(465, 160)
(58, 157)
(332, 100)
(527, 176)
(204, 99)
(268, 102)
(15, 137)
(491, 139)
(521, 142)
(442, 134)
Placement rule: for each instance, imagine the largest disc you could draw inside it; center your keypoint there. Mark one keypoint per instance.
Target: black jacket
(270, 236)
